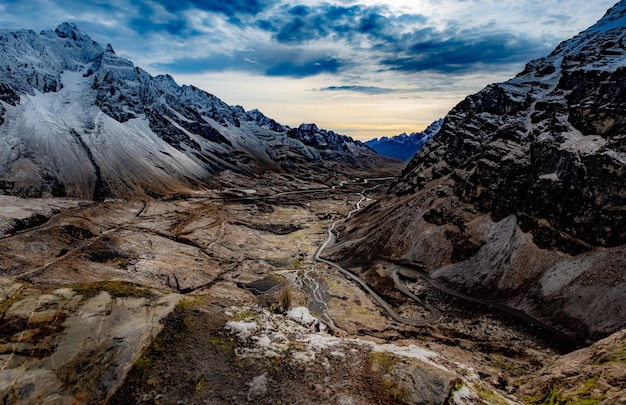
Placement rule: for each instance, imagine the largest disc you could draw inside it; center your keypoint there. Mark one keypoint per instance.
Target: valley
(232, 276)
(158, 245)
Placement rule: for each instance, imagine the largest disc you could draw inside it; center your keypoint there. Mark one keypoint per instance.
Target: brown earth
(122, 266)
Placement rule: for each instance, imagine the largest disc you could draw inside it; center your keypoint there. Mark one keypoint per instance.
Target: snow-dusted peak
(265, 121)
(548, 144)
(69, 30)
(78, 120)
(167, 81)
(325, 140)
(30, 61)
(615, 18)
(89, 49)
(600, 47)
(404, 146)
(308, 127)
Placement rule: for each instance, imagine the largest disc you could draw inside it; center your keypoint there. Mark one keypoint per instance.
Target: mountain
(77, 120)
(521, 196)
(404, 146)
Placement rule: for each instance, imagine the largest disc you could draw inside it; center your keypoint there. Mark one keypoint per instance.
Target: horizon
(364, 69)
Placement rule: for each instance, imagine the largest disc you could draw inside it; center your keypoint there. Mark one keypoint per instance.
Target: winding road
(415, 274)
(435, 314)
(398, 270)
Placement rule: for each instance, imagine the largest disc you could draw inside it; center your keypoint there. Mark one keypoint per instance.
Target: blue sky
(364, 68)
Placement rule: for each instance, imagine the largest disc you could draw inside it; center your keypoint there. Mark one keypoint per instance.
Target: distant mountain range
(403, 146)
(520, 198)
(77, 120)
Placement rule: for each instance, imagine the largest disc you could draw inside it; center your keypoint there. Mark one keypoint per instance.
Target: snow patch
(586, 144)
(301, 315)
(263, 341)
(303, 357)
(620, 157)
(462, 396)
(258, 387)
(276, 336)
(410, 351)
(241, 328)
(337, 354)
(550, 176)
(321, 341)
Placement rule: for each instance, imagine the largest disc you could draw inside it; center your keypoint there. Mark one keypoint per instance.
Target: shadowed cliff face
(523, 187)
(549, 143)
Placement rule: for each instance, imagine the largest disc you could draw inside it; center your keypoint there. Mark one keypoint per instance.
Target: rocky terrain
(519, 198)
(404, 146)
(162, 301)
(207, 254)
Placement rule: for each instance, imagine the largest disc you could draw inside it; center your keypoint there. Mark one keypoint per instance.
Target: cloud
(309, 68)
(307, 40)
(376, 38)
(323, 22)
(284, 38)
(228, 8)
(370, 90)
(448, 52)
(176, 27)
(270, 62)
(217, 63)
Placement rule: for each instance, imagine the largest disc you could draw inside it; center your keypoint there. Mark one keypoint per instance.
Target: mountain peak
(522, 186)
(615, 17)
(404, 146)
(90, 109)
(308, 127)
(70, 30)
(598, 47)
(545, 144)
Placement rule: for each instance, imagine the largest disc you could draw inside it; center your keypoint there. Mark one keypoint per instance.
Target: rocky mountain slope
(404, 146)
(521, 196)
(77, 120)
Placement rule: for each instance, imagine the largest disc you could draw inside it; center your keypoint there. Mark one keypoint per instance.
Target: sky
(363, 68)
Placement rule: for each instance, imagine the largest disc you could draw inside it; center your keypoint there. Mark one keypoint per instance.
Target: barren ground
(236, 261)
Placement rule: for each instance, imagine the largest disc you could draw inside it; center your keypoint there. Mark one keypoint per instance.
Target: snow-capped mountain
(78, 120)
(521, 196)
(403, 146)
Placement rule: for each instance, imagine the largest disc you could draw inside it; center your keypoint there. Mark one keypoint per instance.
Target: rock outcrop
(74, 345)
(592, 375)
(548, 144)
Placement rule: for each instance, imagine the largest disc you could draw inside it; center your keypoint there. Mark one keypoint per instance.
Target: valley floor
(208, 298)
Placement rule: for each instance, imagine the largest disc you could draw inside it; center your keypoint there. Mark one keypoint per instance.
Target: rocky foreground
(216, 298)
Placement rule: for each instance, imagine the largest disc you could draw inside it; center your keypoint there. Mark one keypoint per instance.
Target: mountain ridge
(78, 120)
(541, 112)
(404, 146)
(519, 198)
